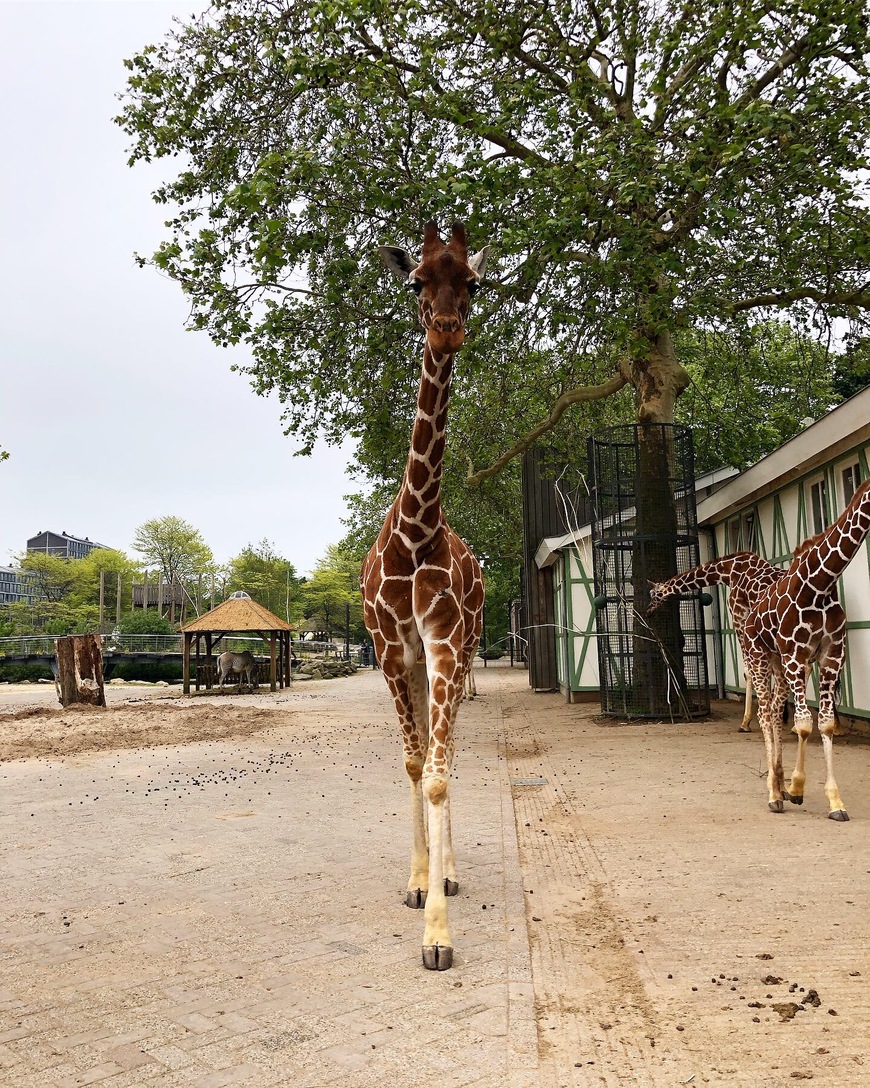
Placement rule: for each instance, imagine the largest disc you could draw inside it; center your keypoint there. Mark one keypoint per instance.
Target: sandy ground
(678, 933)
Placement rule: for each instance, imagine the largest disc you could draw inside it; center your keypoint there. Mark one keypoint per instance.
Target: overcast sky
(112, 413)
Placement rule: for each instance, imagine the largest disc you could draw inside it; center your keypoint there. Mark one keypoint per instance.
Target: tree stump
(80, 670)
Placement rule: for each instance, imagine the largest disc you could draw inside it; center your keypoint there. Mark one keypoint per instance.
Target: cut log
(80, 670)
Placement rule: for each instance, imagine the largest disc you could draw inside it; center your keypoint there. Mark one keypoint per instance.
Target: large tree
(175, 548)
(641, 167)
(331, 597)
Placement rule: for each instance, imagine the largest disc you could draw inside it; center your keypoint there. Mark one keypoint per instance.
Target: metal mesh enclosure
(644, 530)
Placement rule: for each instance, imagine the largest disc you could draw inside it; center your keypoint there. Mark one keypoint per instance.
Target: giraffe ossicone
(422, 587)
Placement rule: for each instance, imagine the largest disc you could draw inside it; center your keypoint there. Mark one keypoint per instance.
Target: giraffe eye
(416, 286)
(473, 287)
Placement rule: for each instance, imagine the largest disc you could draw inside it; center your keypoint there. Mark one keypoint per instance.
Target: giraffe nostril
(446, 324)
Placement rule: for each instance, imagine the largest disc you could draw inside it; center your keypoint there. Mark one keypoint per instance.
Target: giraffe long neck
(716, 572)
(825, 559)
(418, 505)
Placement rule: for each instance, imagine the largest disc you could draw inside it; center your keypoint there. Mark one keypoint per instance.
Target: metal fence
(42, 645)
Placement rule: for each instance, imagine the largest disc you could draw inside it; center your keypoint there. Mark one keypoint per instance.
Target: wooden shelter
(240, 615)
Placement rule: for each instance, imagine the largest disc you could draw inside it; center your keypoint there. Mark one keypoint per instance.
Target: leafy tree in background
(332, 590)
(112, 564)
(269, 578)
(643, 169)
(53, 578)
(768, 380)
(177, 549)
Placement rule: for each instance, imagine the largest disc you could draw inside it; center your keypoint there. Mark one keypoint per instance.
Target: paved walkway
(630, 914)
(231, 913)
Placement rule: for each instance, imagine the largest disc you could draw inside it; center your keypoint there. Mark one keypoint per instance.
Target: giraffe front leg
(827, 726)
(451, 884)
(418, 881)
(437, 942)
(775, 777)
(803, 727)
(414, 733)
(744, 726)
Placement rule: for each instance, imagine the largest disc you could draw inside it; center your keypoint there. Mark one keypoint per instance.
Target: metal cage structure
(645, 530)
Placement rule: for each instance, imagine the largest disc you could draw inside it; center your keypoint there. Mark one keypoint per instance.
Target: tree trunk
(658, 675)
(80, 670)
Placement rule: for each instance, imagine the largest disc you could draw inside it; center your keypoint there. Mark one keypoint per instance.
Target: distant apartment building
(16, 586)
(62, 545)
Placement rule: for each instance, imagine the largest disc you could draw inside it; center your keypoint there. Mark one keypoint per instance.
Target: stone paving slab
(230, 913)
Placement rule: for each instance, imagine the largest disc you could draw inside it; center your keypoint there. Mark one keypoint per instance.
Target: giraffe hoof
(839, 814)
(743, 729)
(437, 957)
(776, 806)
(451, 887)
(416, 899)
(796, 799)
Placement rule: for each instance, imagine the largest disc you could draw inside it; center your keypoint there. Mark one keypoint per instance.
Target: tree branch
(859, 298)
(573, 396)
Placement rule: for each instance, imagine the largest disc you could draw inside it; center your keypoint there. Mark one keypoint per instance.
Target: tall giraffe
(422, 588)
(798, 621)
(747, 575)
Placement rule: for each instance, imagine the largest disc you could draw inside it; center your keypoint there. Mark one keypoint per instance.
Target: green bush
(145, 621)
(491, 653)
(147, 670)
(14, 674)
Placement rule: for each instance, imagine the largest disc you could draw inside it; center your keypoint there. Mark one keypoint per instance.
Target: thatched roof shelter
(239, 615)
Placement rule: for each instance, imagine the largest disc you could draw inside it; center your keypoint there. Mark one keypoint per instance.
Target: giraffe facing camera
(422, 587)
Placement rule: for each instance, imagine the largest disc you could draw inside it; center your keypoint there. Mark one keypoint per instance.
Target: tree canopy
(269, 578)
(643, 170)
(175, 548)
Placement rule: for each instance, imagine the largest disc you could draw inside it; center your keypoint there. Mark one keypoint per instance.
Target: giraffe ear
(478, 261)
(399, 261)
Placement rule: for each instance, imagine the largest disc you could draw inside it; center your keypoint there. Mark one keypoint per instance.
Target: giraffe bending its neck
(422, 588)
(747, 575)
(798, 621)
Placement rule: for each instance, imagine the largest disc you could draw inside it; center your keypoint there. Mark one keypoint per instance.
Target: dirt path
(680, 932)
(187, 913)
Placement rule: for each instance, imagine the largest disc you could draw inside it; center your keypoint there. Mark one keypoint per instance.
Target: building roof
(238, 614)
(550, 547)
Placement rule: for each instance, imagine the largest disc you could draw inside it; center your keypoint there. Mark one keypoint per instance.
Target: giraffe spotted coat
(422, 587)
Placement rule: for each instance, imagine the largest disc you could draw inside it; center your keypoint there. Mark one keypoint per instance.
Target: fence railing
(40, 645)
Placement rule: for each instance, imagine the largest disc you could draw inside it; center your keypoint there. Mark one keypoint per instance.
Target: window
(819, 505)
(851, 477)
(740, 533)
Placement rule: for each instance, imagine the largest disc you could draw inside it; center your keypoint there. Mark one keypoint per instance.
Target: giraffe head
(444, 279)
(657, 594)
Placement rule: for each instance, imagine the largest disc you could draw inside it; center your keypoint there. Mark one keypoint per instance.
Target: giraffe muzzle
(446, 333)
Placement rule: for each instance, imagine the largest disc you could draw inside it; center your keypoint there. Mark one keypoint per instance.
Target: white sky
(112, 413)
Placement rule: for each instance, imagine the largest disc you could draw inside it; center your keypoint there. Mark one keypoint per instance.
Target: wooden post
(160, 593)
(208, 660)
(172, 601)
(186, 657)
(80, 670)
(272, 658)
(198, 659)
(145, 589)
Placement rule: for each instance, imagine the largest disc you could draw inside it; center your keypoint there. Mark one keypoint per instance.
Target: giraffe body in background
(422, 587)
(797, 622)
(747, 575)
